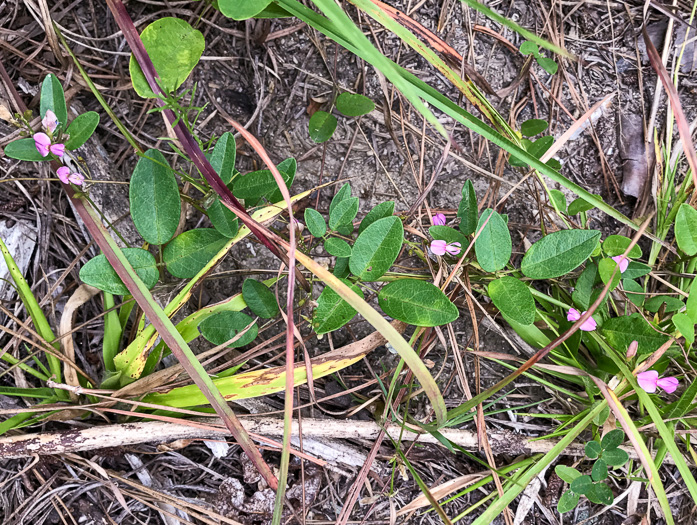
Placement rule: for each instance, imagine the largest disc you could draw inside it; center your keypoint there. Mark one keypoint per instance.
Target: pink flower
(588, 325)
(438, 219)
(649, 381)
(77, 178)
(622, 262)
(50, 122)
(63, 174)
(441, 247)
(43, 143)
(58, 149)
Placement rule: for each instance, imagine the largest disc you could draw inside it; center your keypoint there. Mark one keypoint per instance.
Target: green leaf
(533, 126)
(549, 65)
(332, 311)
(155, 200)
(634, 291)
(190, 251)
(242, 9)
(223, 219)
(686, 229)
(221, 327)
(540, 146)
(260, 299)
(672, 304)
(567, 502)
(559, 253)
(322, 126)
(606, 267)
(341, 267)
(599, 471)
(615, 245)
(223, 157)
(582, 485)
(174, 48)
(493, 245)
(593, 451)
(448, 234)
(526, 144)
(612, 439)
(315, 222)
(600, 419)
(377, 248)
(380, 211)
(579, 205)
(256, 185)
(621, 331)
(568, 474)
(24, 149)
(685, 325)
(691, 309)
(81, 129)
(337, 247)
(513, 298)
(467, 211)
(529, 48)
(53, 98)
(601, 494)
(354, 105)
(558, 199)
(287, 168)
(100, 274)
(417, 302)
(343, 213)
(636, 270)
(343, 193)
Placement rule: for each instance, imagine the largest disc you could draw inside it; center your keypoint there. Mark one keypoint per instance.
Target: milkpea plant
(541, 296)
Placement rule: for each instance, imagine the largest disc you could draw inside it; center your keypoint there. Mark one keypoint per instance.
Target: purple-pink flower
(438, 219)
(442, 247)
(65, 176)
(622, 262)
(588, 325)
(649, 381)
(44, 146)
(50, 121)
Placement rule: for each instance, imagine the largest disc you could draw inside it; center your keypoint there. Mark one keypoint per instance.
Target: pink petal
(50, 122)
(669, 384)
(42, 142)
(77, 178)
(453, 248)
(439, 219)
(588, 325)
(63, 174)
(622, 262)
(58, 149)
(648, 380)
(438, 247)
(573, 315)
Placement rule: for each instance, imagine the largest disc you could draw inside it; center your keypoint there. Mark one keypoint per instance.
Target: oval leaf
(260, 299)
(223, 219)
(467, 210)
(448, 234)
(380, 211)
(337, 247)
(332, 311)
(315, 222)
(24, 149)
(344, 213)
(100, 274)
(222, 158)
(189, 252)
(322, 126)
(155, 200)
(493, 245)
(513, 299)
(354, 105)
(533, 126)
(615, 245)
(377, 248)
(81, 129)
(53, 98)
(174, 48)
(223, 326)
(559, 253)
(242, 9)
(417, 302)
(686, 229)
(579, 205)
(343, 193)
(621, 331)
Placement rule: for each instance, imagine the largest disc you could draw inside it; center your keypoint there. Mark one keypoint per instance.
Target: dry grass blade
(443, 490)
